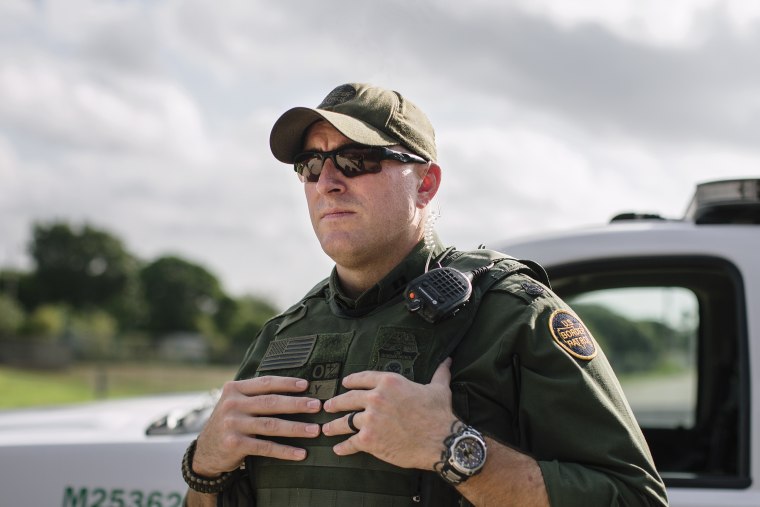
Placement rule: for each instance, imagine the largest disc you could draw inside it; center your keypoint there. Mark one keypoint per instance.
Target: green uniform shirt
(526, 372)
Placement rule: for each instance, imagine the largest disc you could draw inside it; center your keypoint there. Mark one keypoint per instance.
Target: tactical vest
(314, 343)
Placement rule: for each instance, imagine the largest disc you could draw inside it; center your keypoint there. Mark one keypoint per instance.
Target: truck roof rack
(630, 216)
(725, 202)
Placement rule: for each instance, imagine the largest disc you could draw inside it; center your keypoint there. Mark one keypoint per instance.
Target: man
(367, 393)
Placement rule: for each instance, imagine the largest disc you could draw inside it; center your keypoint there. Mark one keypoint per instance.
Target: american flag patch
(288, 353)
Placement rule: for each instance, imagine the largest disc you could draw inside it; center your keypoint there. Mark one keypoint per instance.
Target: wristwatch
(463, 456)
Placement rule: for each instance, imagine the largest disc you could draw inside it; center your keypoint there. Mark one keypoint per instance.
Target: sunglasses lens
(309, 167)
(349, 161)
(357, 161)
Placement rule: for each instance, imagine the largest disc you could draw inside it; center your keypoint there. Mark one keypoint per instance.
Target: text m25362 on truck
(675, 304)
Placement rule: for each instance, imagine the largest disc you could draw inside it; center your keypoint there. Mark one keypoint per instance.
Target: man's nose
(330, 179)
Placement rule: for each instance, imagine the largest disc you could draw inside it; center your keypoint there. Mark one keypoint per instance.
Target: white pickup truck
(674, 303)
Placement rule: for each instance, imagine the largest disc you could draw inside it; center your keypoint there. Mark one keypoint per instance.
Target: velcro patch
(570, 333)
(339, 95)
(323, 380)
(322, 389)
(532, 289)
(288, 353)
(395, 350)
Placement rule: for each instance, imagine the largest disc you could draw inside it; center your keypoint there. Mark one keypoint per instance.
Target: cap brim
(287, 136)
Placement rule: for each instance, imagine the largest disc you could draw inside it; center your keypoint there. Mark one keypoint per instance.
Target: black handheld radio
(438, 294)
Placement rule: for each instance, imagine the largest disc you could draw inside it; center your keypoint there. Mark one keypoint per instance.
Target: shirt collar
(386, 289)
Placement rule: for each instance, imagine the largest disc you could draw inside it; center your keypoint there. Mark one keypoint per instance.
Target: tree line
(635, 346)
(89, 293)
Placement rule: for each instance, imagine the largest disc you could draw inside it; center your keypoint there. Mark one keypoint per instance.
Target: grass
(87, 382)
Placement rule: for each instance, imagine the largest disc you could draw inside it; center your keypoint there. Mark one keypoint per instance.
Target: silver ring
(351, 421)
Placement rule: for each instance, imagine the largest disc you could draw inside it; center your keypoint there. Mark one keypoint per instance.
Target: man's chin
(345, 252)
(348, 257)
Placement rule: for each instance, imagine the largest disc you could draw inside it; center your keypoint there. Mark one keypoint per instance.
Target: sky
(150, 119)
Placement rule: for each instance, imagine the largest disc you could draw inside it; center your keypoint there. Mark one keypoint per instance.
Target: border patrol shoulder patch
(571, 334)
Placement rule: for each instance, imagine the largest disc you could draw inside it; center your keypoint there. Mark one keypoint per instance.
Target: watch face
(469, 453)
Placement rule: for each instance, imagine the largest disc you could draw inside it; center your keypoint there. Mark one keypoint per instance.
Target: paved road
(663, 401)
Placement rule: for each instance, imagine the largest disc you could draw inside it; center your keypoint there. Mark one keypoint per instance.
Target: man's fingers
(268, 404)
(259, 447)
(341, 425)
(346, 447)
(275, 427)
(367, 379)
(266, 385)
(346, 402)
(442, 375)
(272, 404)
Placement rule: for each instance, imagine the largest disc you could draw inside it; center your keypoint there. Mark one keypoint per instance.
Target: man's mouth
(336, 213)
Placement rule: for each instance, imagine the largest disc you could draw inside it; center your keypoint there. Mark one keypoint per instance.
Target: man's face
(362, 219)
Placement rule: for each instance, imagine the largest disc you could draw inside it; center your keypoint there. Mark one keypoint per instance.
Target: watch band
(463, 437)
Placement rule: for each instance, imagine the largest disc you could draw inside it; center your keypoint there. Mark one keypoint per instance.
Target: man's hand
(399, 421)
(247, 409)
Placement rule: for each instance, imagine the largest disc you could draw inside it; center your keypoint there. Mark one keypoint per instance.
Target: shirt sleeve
(568, 409)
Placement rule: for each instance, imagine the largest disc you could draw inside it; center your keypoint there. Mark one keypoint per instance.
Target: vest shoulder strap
(501, 267)
(316, 291)
(467, 261)
(298, 310)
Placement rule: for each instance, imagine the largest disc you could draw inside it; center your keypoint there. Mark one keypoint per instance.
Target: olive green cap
(364, 113)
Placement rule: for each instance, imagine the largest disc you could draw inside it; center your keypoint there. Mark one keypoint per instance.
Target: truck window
(649, 335)
(674, 331)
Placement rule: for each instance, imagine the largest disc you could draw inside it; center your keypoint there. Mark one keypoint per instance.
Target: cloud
(151, 119)
(514, 180)
(7, 161)
(64, 105)
(708, 91)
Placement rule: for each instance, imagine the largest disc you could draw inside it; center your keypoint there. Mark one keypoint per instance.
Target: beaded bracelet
(198, 482)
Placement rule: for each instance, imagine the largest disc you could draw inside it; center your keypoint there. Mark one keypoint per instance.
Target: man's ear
(429, 185)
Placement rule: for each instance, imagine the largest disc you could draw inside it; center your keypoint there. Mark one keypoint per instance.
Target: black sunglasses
(351, 160)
